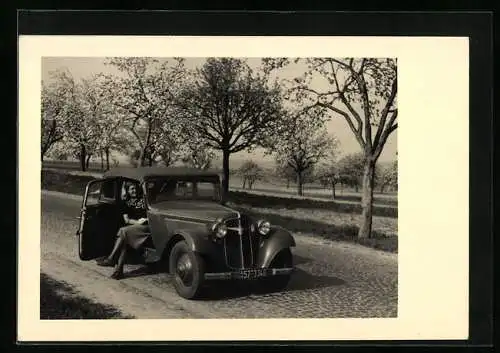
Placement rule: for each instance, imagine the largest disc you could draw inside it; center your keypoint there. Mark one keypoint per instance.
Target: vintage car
(193, 234)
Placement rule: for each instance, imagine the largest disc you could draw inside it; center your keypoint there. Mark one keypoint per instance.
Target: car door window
(184, 190)
(108, 191)
(93, 194)
(162, 190)
(102, 191)
(206, 190)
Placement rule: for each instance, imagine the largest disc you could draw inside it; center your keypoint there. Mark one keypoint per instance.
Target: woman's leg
(118, 272)
(119, 244)
(131, 238)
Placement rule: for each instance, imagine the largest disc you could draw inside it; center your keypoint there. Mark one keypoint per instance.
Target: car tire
(276, 283)
(187, 269)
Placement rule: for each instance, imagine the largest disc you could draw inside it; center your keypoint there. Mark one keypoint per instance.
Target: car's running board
(150, 255)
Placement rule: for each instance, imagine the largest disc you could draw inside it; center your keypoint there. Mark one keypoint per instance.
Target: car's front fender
(197, 241)
(277, 240)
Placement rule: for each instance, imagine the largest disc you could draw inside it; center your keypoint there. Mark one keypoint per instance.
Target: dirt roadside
(125, 296)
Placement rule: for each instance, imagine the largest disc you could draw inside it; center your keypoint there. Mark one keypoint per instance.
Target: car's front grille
(241, 249)
(232, 249)
(251, 242)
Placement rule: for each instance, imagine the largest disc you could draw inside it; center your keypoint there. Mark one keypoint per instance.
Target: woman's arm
(130, 220)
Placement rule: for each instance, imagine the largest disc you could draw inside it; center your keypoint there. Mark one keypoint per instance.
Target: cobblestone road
(333, 279)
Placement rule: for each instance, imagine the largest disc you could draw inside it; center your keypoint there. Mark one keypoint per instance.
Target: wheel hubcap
(184, 269)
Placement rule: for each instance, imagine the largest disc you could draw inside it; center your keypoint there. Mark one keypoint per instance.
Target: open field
(312, 191)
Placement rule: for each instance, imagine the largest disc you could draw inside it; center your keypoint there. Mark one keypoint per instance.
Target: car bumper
(249, 274)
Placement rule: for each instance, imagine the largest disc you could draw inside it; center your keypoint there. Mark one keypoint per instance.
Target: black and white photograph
(242, 192)
(219, 188)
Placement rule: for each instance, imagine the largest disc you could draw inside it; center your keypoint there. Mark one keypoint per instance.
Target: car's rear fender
(278, 240)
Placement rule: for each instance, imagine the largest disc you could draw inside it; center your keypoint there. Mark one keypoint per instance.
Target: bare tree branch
(385, 112)
(391, 126)
(344, 100)
(357, 133)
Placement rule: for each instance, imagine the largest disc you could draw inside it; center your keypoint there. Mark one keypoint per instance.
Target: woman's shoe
(105, 262)
(117, 275)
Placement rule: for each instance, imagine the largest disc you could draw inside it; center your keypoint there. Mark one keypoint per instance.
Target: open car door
(100, 219)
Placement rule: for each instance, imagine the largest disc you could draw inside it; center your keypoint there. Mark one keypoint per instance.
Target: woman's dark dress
(136, 234)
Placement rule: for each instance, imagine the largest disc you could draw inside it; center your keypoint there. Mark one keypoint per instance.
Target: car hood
(194, 210)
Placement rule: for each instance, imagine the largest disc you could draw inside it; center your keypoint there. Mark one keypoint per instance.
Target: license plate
(252, 273)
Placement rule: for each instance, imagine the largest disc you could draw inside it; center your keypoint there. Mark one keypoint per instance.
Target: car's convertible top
(143, 173)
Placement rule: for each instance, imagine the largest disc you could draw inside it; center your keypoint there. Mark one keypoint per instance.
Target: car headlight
(263, 227)
(219, 229)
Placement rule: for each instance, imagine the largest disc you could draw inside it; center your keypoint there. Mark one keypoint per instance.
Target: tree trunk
(367, 199)
(43, 151)
(333, 191)
(51, 139)
(101, 154)
(287, 183)
(300, 184)
(147, 148)
(244, 182)
(142, 157)
(82, 157)
(87, 162)
(107, 158)
(145, 154)
(225, 169)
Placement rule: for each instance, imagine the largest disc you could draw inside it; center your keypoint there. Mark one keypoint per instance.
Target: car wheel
(276, 283)
(188, 270)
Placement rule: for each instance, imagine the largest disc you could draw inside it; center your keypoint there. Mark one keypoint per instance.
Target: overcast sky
(83, 67)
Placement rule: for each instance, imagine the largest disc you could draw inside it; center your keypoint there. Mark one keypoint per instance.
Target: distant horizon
(235, 161)
(81, 67)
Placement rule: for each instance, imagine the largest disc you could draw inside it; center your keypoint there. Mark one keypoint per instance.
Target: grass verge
(255, 200)
(59, 301)
(333, 232)
(257, 204)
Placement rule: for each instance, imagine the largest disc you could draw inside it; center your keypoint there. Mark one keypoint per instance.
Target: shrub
(64, 182)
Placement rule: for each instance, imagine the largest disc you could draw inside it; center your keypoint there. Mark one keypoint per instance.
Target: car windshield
(161, 190)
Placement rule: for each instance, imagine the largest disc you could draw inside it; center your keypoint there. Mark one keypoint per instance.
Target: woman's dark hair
(127, 186)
